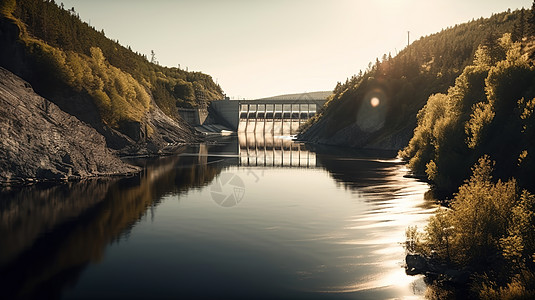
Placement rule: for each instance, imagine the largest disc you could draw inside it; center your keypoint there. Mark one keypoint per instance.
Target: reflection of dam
(270, 150)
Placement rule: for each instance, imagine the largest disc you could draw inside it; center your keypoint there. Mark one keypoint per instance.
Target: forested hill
(402, 84)
(68, 61)
(476, 144)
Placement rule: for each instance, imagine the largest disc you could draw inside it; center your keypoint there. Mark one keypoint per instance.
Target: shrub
(490, 230)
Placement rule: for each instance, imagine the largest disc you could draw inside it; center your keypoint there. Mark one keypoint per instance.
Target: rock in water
(416, 264)
(38, 141)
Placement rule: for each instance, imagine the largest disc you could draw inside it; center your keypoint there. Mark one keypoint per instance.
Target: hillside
(489, 111)
(126, 98)
(401, 85)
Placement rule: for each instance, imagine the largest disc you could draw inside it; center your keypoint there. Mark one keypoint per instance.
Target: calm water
(250, 218)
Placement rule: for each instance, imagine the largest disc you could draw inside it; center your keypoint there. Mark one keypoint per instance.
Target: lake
(249, 217)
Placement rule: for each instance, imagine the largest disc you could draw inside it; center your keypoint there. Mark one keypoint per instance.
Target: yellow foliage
(431, 170)
(439, 234)
(527, 108)
(435, 119)
(118, 96)
(482, 58)
(522, 156)
(482, 115)
(96, 55)
(518, 288)
(486, 219)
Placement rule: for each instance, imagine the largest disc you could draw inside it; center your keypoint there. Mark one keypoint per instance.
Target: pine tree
(531, 20)
(153, 57)
(519, 28)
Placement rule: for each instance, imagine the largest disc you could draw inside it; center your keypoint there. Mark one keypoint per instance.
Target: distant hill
(299, 96)
(402, 84)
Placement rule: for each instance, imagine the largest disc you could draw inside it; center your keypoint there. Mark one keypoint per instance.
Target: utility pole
(408, 38)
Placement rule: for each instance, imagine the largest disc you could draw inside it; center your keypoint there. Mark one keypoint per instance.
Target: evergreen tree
(152, 57)
(531, 20)
(519, 28)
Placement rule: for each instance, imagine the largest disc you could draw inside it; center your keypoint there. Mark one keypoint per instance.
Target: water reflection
(378, 178)
(268, 150)
(50, 233)
(294, 234)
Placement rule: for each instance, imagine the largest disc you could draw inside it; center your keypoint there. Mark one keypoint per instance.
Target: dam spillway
(279, 117)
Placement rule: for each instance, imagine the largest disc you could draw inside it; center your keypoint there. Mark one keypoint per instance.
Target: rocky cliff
(152, 133)
(39, 141)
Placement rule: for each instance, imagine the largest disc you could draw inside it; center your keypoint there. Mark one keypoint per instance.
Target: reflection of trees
(356, 169)
(70, 226)
(374, 174)
(28, 213)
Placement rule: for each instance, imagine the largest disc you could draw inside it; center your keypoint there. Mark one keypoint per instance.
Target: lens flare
(374, 102)
(372, 112)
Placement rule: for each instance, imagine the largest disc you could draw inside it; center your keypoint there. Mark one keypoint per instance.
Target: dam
(276, 116)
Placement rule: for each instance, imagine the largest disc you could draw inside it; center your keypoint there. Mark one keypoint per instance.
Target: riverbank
(39, 142)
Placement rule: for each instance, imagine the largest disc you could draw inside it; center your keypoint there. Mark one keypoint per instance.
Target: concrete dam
(269, 115)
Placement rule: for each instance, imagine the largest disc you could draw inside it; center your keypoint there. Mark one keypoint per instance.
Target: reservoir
(241, 217)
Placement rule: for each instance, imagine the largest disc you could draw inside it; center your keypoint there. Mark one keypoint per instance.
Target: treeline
(428, 66)
(115, 76)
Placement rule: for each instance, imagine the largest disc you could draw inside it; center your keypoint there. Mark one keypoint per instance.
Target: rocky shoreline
(435, 271)
(39, 142)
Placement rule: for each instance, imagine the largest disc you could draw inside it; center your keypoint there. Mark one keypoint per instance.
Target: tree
(153, 57)
(519, 28)
(531, 20)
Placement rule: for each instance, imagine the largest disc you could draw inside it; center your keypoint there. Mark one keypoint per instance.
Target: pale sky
(257, 49)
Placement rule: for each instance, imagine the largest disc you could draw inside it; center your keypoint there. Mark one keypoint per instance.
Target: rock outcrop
(39, 141)
(435, 270)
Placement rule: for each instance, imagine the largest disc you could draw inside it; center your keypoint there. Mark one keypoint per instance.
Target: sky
(256, 49)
